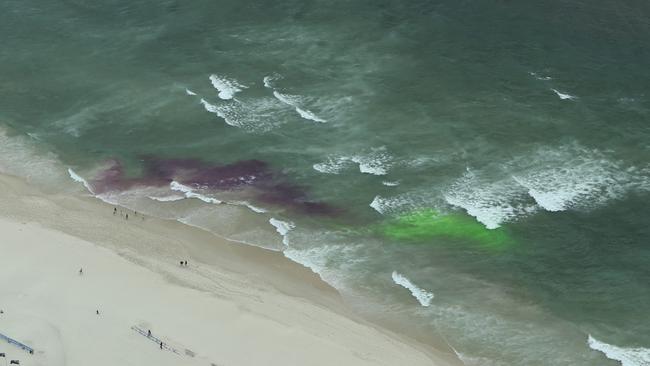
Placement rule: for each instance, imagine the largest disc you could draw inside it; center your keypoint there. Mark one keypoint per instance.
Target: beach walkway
(154, 339)
(23, 346)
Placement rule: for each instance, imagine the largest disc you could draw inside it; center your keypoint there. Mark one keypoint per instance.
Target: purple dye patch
(268, 187)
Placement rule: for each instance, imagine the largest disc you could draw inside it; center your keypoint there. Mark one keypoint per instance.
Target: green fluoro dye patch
(425, 224)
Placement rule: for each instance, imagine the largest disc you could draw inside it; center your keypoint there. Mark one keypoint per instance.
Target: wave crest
(424, 297)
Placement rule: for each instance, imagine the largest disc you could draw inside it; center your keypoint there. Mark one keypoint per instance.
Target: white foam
(424, 297)
(379, 204)
(376, 162)
(332, 165)
(268, 80)
(227, 87)
(33, 136)
(552, 178)
(189, 92)
(209, 107)
(539, 77)
(559, 197)
(626, 356)
(317, 260)
(77, 178)
(491, 203)
(564, 96)
(474, 361)
(330, 261)
(283, 228)
(167, 198)
(258, 114)
(575, 177)
(295, 102)
(390, 184)
(309, 115)
(254, 208)
(401, 203)
(189, 193)
(221, 112)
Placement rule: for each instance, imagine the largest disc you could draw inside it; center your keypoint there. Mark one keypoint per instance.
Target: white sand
(233, 305)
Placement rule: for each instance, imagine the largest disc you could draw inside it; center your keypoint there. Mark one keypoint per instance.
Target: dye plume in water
(255, 176)
(427, 223)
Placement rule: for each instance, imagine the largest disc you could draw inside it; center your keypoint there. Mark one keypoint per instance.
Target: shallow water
(494, 155)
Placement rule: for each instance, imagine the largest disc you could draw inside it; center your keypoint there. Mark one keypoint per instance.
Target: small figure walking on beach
(149, 333)
(114, 211)
(161, 345)
(97, 312)
(127, 217)
(81, 271)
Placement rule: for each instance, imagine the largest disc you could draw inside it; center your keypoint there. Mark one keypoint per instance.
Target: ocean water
(474, 172)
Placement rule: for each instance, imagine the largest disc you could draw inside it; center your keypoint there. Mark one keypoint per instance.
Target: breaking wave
(296, 102)
(189, 193)
(626, 356)
(375, 162)
(564, 96)
(424, 297)
(77, 178)
(283, 228)
(227, 87)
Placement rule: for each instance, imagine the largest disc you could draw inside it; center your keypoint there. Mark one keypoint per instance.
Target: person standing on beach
(127, 217)
(114, 211)
(81, 271)
(161, 345)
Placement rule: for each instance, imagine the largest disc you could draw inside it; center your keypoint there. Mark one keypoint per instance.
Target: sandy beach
(231, 305)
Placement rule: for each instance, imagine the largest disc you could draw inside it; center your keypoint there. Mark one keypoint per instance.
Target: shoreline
(259, 283)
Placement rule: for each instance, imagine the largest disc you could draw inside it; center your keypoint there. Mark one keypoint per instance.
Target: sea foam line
(564, 96)
(227, 87)
(294, 101)
(283, 228)
(189, 193)
(167, 198)
(219, 112)
(539, 77)
(268, 80)
(424, 297)
(376, 162)
(290, 100)
(77, 178)
(489, 202)
(626, 356)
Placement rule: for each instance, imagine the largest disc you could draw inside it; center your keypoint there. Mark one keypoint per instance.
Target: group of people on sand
(183, 263)
(124, 214)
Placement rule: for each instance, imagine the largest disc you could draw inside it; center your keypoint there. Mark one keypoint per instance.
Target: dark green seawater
(493, 154)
